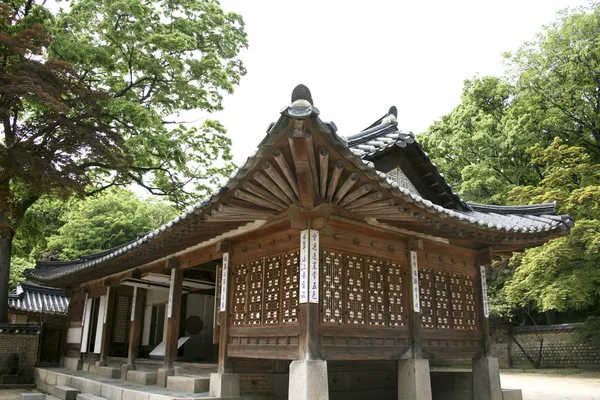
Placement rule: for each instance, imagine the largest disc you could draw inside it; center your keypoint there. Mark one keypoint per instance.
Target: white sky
(360, 58)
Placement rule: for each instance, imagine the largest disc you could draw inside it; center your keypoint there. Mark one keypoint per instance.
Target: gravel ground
(554, 385)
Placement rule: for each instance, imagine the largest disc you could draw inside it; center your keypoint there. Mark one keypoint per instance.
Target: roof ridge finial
(301, 92)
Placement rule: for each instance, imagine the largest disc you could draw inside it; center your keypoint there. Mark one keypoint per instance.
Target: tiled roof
(31, 298)
(357, 150)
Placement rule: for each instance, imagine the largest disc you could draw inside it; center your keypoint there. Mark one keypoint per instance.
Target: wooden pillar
(173, 313)
(484, 260)
(224, 365)
(135, 328)
(107, 326)
(414, 305)
(309, 302)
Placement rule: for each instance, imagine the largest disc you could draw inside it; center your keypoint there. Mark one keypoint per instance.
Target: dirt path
(554, 386)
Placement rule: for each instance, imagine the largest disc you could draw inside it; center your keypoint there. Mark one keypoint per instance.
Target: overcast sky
(360, 58)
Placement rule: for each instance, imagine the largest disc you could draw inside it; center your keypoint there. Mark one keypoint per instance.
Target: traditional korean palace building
(332, 263)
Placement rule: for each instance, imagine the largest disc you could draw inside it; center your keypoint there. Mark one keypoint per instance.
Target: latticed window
(402, 180)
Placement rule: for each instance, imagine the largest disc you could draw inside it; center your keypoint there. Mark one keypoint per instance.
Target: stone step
(63, 392)
(89, 396)
(142, 377)
(512, 394)
(33, 396)
(188, 384)
(109, 372)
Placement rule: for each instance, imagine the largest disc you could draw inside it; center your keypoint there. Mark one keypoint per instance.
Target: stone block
(224, 385)
(33, 396)
(308, 380)
(39, 374)
(93, 369)
(93, 387)
(486, 379)
(50, 377)
(109, 372)
(63, 380)
(141, 377)
(78, 383)
(125, 368)
(136, 395)
(73, 363)
(414, 382)
(162, 375)
(188, 384)
(512, 394)
(111, 392)
(41, 386)
(89, 396)
(64, 392)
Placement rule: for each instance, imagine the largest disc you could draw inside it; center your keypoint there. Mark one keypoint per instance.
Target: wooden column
(107, 326)
(173, 313)
(484, 260)
(135, 329)
(224, 365)
(309, 311)
(414, 306)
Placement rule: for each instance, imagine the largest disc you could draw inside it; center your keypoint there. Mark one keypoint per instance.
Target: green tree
(476, 145)
(563, 274)
(558, 76)
(98, 105)
(107, 220)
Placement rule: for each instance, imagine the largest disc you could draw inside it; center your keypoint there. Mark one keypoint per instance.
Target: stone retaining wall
(19, 346)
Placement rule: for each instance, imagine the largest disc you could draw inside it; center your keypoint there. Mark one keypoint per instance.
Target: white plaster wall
(74, 335)
(100, 325)
(156, 297)
(86, 325)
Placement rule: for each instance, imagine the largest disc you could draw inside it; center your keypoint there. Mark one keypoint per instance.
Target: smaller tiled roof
(31, 298)
(20, 328)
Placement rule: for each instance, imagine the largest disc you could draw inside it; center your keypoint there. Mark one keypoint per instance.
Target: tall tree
(558, 76)
(98, 106)
(477, 144)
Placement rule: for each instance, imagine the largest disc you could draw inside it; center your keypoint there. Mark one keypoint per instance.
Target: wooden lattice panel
(272, 289)
(355, 298)
(470, 313)
(426, 296)
(238, 297)
(255, 295)
(442, 299)
(375, 288)
(291, 271)
(394, 295)
(458, 302)
(121, 320)
(332, 293)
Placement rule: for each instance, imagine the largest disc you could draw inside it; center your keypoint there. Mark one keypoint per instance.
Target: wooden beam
(346, 186)
(306, 185)
(240, 194)
(355, 194)
(224, 362)
(107, 325)
(310, 149)
(260, 192)
(323, 169)
(287, 171)
(279, 181)
(135, 327)
(271, 187)
(368, 199)
(383, 206)
(173, 313)
(338, 168)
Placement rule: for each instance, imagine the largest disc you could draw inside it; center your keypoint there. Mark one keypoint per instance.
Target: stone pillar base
(308, 380)
(486, 379)
(414, 382)
(162, 374)
(125, 368)
(224, 385)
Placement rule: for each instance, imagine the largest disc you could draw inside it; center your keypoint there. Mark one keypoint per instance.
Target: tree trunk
(6, 237)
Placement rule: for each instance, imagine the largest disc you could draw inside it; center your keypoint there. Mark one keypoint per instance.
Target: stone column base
(125, 368)
(224, 385)
(486, 379)
(414, 382)
(162, 374)
(308, 380)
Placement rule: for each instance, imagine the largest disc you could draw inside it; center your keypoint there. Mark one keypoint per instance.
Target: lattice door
(255, 284)
(238, 298)
(272, 289)
(376, 286)
(354, 279)
(395, 293)
(121, 319)
(442, 299)
(332, 287)
(470, 313)
(291, 271)
(426, 292)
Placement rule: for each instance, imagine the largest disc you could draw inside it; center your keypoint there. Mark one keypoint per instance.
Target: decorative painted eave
(303, 162)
